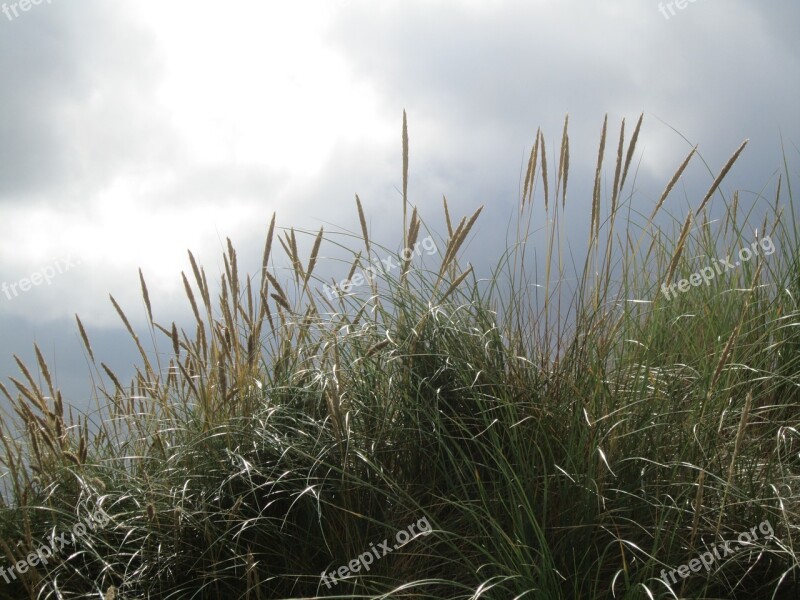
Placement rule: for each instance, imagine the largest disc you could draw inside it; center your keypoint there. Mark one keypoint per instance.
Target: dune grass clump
(560, 442)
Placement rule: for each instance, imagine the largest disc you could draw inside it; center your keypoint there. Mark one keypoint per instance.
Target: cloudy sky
(133, 131)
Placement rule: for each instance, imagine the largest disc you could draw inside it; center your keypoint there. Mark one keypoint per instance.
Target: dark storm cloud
(70, 74)
(712, 68)
(496, 65)
(715, 72)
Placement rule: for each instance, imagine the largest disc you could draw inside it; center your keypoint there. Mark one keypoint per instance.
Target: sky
(133, 131)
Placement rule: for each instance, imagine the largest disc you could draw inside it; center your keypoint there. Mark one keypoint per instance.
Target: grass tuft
(581, 443)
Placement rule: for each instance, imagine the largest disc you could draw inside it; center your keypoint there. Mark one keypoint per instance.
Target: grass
(561, 442)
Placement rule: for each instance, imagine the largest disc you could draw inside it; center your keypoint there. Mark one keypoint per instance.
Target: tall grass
(563, 443)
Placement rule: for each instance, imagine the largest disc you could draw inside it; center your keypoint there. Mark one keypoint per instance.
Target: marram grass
(575, 444)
